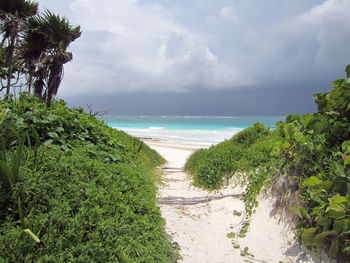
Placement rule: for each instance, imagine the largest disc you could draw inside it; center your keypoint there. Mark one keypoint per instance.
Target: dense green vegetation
(74, 190)
(71, 188)
(307, 158)
(210, 166)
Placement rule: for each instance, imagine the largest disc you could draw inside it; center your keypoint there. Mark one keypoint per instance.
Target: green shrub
(244, 152)
(310, 153)
(85, 192)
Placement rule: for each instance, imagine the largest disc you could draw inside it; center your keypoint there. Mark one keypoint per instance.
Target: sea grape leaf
(312, 181)
(339, 199)
(315, 197)
(304, 213)
(340, 185)
(289, 130)
(327, 185)
(317, 209)
(320, 238)
(285, 145)
(337, 83)
(347, 160)
(341, 225)
(345, 146)
(319, 126)
(324, 220)
(308, 236)
(347, 71)
(298, 136)
(301, 212)
(336, 213)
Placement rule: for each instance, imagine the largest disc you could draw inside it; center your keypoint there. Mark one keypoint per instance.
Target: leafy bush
(315, 148)
(85, 192)
(311, 158)
(245, 151)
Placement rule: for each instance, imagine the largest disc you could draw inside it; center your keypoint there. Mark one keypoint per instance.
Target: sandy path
(201, 229)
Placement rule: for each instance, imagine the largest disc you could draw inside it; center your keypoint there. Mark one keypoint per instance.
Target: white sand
(201, 229)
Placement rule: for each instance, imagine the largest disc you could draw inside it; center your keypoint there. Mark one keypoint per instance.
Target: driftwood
(171, 168)
(175, 200)
(171, 179)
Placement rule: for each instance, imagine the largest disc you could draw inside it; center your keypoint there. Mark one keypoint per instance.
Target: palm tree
(13, 13)
(31, 51)
(45, 41)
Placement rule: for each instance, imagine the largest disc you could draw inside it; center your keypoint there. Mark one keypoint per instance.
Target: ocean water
(187, 130)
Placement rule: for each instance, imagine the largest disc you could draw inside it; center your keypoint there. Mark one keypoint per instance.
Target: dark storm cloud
(239, 57)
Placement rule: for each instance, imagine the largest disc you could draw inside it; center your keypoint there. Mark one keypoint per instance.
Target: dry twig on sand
(175, 200)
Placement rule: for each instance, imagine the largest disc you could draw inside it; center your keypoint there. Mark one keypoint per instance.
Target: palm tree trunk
(30, 80)
(53, 82)
(10, 63)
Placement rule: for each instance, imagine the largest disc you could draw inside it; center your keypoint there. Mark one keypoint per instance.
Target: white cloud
(304, 46)
(131, 45)
(140, 47)
(330, 22)
(228, 13)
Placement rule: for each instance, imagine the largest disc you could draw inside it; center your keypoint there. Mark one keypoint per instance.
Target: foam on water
(187, 130)
(183, 137)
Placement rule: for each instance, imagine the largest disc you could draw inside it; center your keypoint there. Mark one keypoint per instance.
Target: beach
(199, 221)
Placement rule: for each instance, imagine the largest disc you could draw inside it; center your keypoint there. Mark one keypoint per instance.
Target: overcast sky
(204, 57)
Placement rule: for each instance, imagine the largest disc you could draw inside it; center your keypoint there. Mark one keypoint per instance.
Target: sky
(203, 57)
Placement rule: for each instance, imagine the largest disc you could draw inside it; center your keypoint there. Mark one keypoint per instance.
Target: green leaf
(20, 211)
(32, 235)
(339, 199)
(347, 160)
(340, 184)
(48, 142)
(347, 71)
(16, 161)
(315, 197)
(289, 130)
(312, 181)
(231, 235)
(341, 225)
(308, 236)
(20, 122)
(237, 213)
(324, 221)
(337, 83)
(53, 135)
(320, 238)
(345, 146)
(6, 175)
(299, 137)
(336, 213)
(301, 212)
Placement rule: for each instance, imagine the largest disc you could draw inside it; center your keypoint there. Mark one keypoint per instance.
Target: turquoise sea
(193, 130)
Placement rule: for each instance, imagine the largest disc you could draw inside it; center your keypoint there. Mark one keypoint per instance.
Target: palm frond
(19, 8)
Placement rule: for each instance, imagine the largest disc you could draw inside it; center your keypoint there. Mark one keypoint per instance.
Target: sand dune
(199, 221)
